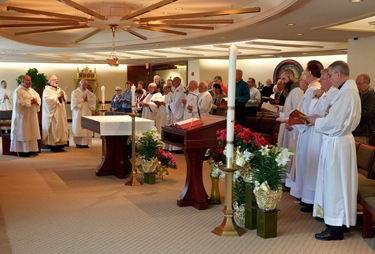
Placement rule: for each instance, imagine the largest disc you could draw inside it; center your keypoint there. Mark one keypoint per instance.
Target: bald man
(54, 122)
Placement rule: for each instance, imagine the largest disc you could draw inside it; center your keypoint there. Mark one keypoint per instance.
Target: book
(269, 107)
(297, 117)
(189, 123)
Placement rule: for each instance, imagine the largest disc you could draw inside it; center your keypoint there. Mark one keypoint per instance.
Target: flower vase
(251, 207)
(149, 177)
(215, 192)
(239, 214)
(266, 198)
(148, 168)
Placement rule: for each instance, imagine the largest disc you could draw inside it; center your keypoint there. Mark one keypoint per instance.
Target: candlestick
(103, 94)
(231, 103)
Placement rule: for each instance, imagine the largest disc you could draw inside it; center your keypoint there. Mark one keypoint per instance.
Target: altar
(115, 130)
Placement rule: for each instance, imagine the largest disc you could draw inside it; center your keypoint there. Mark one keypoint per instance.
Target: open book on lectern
(189, 123)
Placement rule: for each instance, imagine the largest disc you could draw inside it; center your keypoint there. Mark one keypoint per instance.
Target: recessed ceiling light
(356, 1)
(290, 24)
(299, 34)
(179, 8)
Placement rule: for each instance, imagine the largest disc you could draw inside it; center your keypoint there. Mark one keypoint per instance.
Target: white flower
(247, 154)
(236, 175)
(283, 157)
(265, 150)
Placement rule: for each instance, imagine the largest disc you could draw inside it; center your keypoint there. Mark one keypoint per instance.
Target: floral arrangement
(268, 166)
(166, 160)
(148, 144)
(259, 163)
(153, 158)
(245, 143)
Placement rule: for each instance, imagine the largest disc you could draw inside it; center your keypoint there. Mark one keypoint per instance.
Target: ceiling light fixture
(290, 24)
(112, 60)
(356, 1)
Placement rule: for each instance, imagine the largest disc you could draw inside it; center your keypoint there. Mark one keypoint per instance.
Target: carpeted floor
(54, 203)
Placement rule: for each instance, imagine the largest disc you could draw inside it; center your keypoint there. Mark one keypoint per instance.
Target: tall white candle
(133, 95)
(231, 104)
(103, 94)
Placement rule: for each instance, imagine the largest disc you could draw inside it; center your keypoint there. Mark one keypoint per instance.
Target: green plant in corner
(39, 80)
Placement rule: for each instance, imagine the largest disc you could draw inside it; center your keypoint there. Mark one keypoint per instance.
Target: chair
(365, 158)
(253, 123)
(368, 212)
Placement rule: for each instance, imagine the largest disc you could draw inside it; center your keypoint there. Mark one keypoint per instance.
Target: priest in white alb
(83, 101)
(204, 99)
(6, 99)
(54, 121)
(149, 107)
(25, 126)
(191, 101)
(336, 191)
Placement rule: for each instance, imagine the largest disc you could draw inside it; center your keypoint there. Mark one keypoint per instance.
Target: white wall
(259, 69)
(362, 57)
(67, 73)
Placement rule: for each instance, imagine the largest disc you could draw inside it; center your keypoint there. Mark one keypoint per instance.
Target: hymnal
(297, 117)
(269, 107)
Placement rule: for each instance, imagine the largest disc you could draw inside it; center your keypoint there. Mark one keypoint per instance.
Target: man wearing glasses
(336, 192)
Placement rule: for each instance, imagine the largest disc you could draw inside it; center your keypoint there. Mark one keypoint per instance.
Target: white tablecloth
(121, 125)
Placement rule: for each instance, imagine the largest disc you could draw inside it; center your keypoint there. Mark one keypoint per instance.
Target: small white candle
(103, 94)
(133, 95)
(231, 103)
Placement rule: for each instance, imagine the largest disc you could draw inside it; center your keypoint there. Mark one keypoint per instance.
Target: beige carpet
(54, 203)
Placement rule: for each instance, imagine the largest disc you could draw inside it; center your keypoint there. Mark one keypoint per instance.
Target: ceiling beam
(161, 30)
(291, 45)
(83, 9)
(85, 37)
(50, 30)
(202, 14)
(46, 13)
(131, 31)
(148, 9)
(182, 26)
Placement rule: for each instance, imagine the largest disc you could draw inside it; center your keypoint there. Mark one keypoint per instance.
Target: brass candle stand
(228, 227)
(133, 180)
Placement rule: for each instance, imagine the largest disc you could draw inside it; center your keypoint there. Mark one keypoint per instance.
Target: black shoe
(286, 189)
(307, 209)
(78, 146)
(33, 153)
(86, 146)
(325, 236)
(319, 219)
(345, 229)
(303, 204)
(21, 154)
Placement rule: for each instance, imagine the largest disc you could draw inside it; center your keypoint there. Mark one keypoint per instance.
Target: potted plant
(153, 160)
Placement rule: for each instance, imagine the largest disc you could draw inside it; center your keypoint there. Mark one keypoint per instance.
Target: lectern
(194, 141)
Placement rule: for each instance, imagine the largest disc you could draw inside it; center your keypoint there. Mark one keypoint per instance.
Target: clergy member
(149, 107)
(25, 127)
(191, 100)
(54, 121)
(83, 101)
(6, 100)
(204, 99)
(336, 191)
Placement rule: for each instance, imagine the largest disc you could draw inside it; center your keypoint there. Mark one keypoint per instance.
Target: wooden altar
(115, 129)
(194, 142)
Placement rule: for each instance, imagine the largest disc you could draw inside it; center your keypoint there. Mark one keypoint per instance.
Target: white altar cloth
(121, 125)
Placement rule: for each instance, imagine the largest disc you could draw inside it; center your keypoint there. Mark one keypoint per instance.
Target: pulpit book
(189, 123)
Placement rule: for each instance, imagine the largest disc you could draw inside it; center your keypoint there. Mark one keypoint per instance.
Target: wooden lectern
(194, 142)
